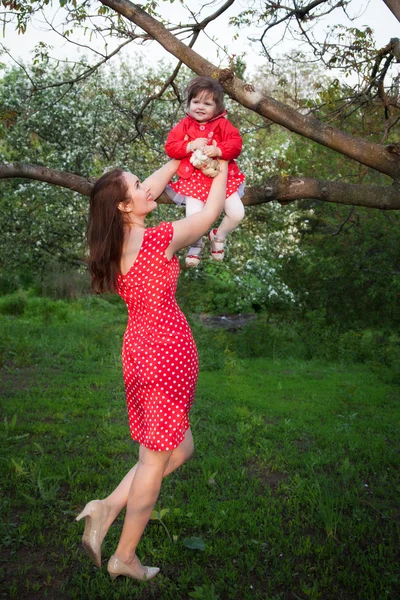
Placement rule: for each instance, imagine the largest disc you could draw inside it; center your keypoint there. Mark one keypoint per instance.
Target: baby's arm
(197, 143)
(178, 144)
(229, 147)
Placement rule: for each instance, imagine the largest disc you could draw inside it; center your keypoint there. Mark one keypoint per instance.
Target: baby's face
(202, 107)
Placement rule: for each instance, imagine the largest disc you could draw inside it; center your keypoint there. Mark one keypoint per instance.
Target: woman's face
(202, 107)
(140, 199)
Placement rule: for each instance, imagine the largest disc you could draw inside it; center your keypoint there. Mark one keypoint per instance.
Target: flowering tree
(346, 49)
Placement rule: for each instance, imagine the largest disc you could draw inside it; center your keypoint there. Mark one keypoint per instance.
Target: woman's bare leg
(118, 499)
(143, 495)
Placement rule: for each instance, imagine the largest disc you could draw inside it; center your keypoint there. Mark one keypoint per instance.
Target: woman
(159, 354)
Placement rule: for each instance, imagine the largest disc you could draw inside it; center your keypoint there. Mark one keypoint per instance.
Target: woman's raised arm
(189, 230)
(158, 180)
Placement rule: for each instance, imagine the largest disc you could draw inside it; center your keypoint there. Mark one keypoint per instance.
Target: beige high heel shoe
(116, 567)
(92, 536)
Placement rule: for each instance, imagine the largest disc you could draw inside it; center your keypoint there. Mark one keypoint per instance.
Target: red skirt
(199, 185)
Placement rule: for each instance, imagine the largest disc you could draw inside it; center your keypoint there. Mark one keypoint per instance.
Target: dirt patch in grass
(270, 420)
(21, 379)
(227, 321)
(316, 374)
(18, 379)
(304, 444)
(272, 479)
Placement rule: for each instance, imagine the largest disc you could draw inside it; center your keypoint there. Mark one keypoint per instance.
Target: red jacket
(219, 129)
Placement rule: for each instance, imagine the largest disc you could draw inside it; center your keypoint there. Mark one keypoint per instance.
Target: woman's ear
(125, 207)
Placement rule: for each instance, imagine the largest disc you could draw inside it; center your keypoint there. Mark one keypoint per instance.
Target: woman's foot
(217, 245)
(134, 569)
(193, 255)
(94, 533)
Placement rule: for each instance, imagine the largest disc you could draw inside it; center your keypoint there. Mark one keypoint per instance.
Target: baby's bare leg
(234, 213)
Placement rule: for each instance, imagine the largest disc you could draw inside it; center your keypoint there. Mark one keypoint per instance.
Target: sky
(374, 13)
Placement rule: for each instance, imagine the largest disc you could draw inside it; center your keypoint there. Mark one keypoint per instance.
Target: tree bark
(394, 6)
(281, 189)
(370, 154)
(73, 182)
(288, 189)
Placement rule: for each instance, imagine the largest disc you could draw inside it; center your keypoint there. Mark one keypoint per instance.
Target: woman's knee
(182, 456)
(186, 448)
(189, 451)
(153, 460)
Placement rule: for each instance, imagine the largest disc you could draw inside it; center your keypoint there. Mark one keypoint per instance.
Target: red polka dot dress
(159, 355)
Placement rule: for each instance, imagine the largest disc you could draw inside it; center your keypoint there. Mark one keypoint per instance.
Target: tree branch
(287, 189)
(394, 6)
(203, 24)
(89, 71)
(281, 189)
(73, 182)
(166, 84)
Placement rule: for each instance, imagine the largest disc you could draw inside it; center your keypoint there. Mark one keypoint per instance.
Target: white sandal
(193, 256)
(217, 246)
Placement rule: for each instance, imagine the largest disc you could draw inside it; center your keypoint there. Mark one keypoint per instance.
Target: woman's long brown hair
(105, 230)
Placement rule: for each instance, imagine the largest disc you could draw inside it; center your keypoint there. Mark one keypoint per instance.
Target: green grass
(293, 487)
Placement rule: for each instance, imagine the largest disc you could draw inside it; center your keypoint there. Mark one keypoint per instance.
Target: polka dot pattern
(198, 185)
(159, 355)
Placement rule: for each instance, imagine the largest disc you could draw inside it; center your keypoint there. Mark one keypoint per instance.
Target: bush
(13, 304)
(32, 307)
(65, 284)
(47, 309)
(212, 346)
(266, 336)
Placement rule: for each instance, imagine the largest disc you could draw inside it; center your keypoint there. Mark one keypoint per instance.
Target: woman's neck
(134, 221)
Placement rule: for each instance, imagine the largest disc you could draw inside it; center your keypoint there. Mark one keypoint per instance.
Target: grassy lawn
(292, 491)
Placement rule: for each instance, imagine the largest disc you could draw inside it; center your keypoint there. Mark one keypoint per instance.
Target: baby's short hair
(206, 84)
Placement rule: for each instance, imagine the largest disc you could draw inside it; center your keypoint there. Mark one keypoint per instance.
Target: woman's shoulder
(160, 234)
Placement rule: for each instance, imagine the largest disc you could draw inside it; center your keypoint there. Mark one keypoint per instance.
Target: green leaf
(194, 543)
(157, 515)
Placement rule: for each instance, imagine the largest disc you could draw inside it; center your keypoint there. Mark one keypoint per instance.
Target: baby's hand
(199, 143)
(212, 151)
